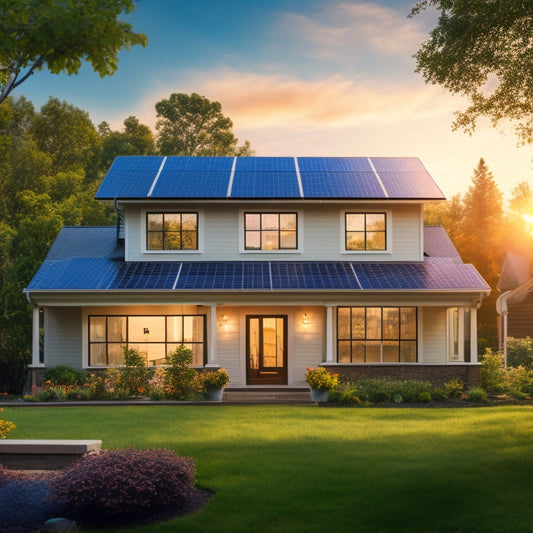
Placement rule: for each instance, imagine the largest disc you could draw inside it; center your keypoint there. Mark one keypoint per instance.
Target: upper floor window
(270, 231)
(365, 231)
(172, 231)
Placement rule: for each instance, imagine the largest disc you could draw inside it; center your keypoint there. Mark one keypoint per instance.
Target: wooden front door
(266, 350)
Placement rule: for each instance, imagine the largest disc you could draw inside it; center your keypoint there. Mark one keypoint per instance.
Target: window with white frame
(458, 334)
(154, 336)
(377, 334)
(365, 231)
(270, 231)
(172, 231)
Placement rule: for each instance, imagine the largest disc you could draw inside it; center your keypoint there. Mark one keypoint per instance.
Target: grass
(283, 468)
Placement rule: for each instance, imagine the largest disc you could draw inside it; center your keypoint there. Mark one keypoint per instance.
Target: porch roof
(88, 259)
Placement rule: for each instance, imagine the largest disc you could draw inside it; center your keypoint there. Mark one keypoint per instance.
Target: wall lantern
(225, 321)
(305, 321)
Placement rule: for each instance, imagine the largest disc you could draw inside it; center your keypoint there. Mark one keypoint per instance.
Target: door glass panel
(254, 343)
(270, 343)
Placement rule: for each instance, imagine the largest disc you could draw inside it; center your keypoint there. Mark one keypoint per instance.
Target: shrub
(344, 393)
(476, 394)
(424, 397)
(25, 505)
(156, 384)
(134, 375)
(181, 381)
(520, 352)
(121, 486)
(492, 373)
(454, 389)
(373, 390)
(64, 375)
(519, 382)
(5, 427)
(409, 390)
(54, 393)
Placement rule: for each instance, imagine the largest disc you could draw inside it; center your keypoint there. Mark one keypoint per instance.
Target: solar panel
(265, 177)
(405, 177)
(130, 177)
(312, 275)
(145, 275)
(336, 164)
(330, 184)
(194, 177)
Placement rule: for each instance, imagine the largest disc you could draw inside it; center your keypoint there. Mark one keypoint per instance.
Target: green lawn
(283, 468)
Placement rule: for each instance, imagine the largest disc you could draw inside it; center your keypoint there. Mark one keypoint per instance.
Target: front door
(266, 350)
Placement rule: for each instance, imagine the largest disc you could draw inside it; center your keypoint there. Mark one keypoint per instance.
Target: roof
(437, 243)
(515, 272)
(158, 177)
(74, 263)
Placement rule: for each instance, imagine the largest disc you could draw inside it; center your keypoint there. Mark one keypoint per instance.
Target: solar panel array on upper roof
(268, 178)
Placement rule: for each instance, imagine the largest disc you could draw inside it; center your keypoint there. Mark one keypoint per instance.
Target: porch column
(473, 334)
(329, 334)
(35, 341)
(212, 359)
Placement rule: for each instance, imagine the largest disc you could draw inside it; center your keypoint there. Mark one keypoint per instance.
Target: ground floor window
(153, 336)
(458, 337)
(377, 334)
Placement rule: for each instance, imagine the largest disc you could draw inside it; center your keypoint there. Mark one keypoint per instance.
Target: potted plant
(321, 382)
(214, 383)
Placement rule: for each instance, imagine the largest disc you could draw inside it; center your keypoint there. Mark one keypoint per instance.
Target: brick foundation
(436, 374)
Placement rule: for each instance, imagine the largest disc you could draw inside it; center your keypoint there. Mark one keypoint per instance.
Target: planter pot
(319, 395)
(214, 395)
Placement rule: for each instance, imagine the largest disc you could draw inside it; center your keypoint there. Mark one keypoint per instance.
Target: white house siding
(434, 335)
(305, 344)
(63, 338)
(320, 235)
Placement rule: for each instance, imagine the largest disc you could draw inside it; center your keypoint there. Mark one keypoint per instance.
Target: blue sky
(297, 77)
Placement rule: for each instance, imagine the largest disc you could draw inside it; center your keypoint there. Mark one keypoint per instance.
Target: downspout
(120, 219)
(503, 311)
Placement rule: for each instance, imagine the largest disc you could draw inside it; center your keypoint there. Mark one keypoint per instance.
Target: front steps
(266, 395)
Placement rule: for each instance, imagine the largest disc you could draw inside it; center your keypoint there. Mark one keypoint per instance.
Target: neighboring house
(265, 266)
(515, 303)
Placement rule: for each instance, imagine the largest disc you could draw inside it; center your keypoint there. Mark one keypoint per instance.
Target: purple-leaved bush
(121, 486)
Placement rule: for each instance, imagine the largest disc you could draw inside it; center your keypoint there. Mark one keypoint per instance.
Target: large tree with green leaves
(59, 35)
(193, 125)
(481, 49)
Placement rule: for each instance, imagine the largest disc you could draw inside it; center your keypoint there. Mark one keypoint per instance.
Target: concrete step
(247, 395)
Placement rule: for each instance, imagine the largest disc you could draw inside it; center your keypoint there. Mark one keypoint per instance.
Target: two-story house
(265, 266)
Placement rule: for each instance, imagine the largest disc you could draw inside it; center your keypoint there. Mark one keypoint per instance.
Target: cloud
(271, 101)
(346, 29)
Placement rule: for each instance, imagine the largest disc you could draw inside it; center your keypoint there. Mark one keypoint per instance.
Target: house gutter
(503, 311)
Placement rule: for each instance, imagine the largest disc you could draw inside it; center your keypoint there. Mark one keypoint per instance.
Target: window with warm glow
(376, 334)
(365, 231)
(270, 231)
(153, 336)
(171, 231)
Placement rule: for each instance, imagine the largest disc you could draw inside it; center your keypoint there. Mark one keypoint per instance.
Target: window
(270, 231)
(171, 231)
(365, 231)
(458, 320)
(376, 334)
(153, 336)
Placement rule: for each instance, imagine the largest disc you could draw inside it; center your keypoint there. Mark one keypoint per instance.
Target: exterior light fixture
(305, 321)
(225, 321)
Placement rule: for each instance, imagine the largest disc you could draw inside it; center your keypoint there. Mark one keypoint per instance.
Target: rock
(63, 525)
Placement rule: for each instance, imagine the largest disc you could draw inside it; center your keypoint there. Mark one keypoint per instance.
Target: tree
(136, 139)
(194, 126)
(481, 49)
(58, 35)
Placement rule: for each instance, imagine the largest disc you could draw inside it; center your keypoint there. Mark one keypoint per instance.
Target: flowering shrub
(5, 427)
(122, 486)
(134, 375)
(320, 379)
(215, 379)
(64, 375)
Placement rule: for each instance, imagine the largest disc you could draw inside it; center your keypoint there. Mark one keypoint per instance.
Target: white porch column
(35, 338)
(473, 335)
(329, 334)
(212, 359)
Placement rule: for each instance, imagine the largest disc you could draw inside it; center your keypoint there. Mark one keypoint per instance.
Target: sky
(297, 78)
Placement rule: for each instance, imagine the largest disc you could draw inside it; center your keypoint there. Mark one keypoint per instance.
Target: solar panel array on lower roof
(94, 273)
(267, 178)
